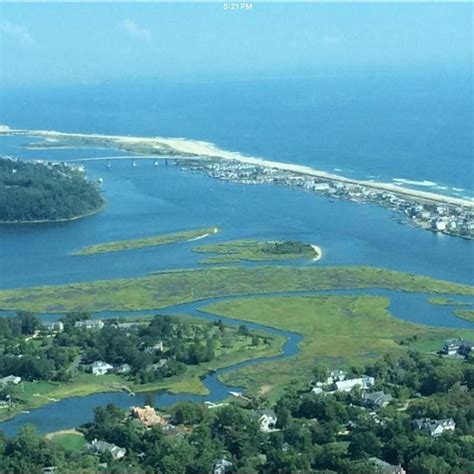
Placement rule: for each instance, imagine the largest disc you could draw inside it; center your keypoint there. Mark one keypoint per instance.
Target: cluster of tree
(287, 247)
(29, 452)
(154, 349)
(317, 433)
(31, 191)
(422, 387)
(29, 358)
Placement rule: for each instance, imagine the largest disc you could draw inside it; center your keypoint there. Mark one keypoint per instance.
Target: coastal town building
(221, 466)
(100, 447)
(364, 383)
(56, 327)
(453, 347)
(376, 399)
(10, 379)
(434, 428)
(267, 420)
(100, 367)
(148, 416)
(89, 324)
(382, 467)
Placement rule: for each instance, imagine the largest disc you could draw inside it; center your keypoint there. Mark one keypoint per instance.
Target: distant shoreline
(200, 149)
(57, 221)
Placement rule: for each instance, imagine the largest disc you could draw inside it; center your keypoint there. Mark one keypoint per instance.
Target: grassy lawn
(255, 251)
(72, 441)
(338, 330)
(152, 241)
(170, 287)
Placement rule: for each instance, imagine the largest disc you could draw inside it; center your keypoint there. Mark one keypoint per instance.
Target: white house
(267, 420)
(56, 326)
(221, 466)
(364, 383)
(100, 367)
(89, 324)
(13, 379)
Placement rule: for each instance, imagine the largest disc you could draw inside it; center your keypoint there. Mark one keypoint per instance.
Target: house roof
(267, 412)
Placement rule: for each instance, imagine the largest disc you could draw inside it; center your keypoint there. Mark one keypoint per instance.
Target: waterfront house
(334, 376)
(89, 324)
(453, 347)
(434, 428)
(364, 383)
(99, 447)
(376, 399)
(13, 379)
(148, 416)
(56, 326)
(100, 367)
(123, 369)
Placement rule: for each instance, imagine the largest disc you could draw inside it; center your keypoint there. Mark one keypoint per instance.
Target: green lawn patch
(151, 241)
(69, 441)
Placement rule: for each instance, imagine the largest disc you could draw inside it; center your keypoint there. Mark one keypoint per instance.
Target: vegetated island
(256, 251)
(170, 287)
(37, 191)
(152, 241)
(427, 210)
(466, 314)
(443, 301)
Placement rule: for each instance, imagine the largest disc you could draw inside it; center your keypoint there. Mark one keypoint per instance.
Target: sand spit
(201, 149)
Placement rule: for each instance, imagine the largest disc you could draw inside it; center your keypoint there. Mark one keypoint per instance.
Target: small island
(257, 251)
(37, 191)
(151, 241)
(466, 314)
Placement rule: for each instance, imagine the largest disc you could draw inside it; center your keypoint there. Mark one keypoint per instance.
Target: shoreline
(58, 221)
(202, 149)
(319, 252)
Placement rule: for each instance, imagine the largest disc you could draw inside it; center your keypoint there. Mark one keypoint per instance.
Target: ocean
(384, 127)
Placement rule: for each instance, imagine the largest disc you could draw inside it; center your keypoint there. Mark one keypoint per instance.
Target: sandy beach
(318, 251)
(208, 150)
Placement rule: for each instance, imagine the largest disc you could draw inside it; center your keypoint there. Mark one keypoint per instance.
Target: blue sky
(93, 42)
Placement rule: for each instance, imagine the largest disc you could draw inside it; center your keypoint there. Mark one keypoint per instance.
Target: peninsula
(437, 212)
(36, 191)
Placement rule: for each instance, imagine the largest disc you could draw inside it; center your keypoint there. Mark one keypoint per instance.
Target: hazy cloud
(19, 33)
(135, 30)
